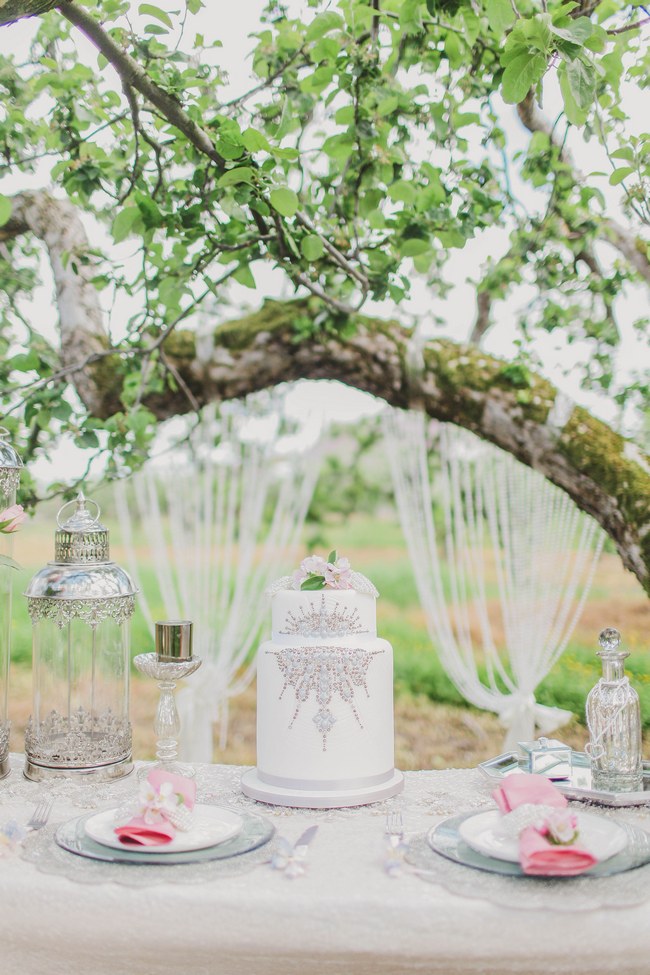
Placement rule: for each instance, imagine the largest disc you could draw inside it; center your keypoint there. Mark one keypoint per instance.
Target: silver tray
(445, 839)
(578, 787)
(255, 832)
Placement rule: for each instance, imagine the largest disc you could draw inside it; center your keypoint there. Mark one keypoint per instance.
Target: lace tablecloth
(346, 916)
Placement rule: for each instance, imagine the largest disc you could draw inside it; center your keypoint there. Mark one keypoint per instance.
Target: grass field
(434, 727)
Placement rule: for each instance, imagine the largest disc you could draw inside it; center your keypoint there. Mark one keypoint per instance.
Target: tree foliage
(376, 140)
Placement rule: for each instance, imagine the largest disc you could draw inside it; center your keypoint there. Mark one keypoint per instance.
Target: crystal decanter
(614, 722)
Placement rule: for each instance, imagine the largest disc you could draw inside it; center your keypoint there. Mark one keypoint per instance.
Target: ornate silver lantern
(80, 606)
(10, 464)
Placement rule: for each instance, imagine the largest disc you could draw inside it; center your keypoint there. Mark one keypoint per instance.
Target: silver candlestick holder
(172, 661)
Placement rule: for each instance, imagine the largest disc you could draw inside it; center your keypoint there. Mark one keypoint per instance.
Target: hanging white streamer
(213, 557)
(544, 553)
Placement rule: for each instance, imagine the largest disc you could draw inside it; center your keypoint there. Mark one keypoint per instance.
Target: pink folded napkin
(137, 832)
(519, 790)
(546, 848)
(540, 858)
(165, 805)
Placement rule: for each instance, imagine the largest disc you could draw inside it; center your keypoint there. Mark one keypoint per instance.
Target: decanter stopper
(609, 638)
(614, 721)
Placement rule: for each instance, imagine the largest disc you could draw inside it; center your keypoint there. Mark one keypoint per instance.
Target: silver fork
(41, 814)
(394, 828)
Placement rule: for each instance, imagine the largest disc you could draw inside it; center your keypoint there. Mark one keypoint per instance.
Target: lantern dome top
(8, 456)
(82, 537)
(81, 569)
(81, 519)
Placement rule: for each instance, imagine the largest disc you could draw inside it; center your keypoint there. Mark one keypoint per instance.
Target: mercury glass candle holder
(167, 722)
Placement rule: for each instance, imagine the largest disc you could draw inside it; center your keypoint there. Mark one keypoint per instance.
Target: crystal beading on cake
(324, 693)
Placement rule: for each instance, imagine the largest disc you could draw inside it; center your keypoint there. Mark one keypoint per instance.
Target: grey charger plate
(445, 840)
(255, 832)
(578, 786)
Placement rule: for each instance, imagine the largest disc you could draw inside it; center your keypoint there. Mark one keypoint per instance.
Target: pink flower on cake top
(315, 573)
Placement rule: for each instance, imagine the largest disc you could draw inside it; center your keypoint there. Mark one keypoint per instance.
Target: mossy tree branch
(606, 475)
(13, 10)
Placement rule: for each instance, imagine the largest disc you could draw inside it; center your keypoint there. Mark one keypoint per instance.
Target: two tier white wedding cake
(324, 694)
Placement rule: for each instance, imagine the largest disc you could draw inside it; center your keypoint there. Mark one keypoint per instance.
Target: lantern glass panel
(78, 667)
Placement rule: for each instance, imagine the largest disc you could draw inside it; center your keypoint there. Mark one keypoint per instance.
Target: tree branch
(633, 248)
(482, 322)
(13, 10)
(134, 76)
(57, 224)
(604, 474)
(627, 27)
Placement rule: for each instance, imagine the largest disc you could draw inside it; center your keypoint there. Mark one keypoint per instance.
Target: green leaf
(287, 153)
(229, 149)
(387, 105)
(194, 6)
(240, 174)
(422, 262)
(537, 30)
(598, 39)
(148, 10)
(123, 223)
(313, 583)
(244, 275)
(332, 557)
(12, 564)
(5, 209)
(521, 73)
(620, 174)
(345, 115)
(576, 31)
(401, 191)
(575, 114)
(323, 24)
(582, 82)
(255, 141)
(149, 211)
(413, 246)
(500, 15)
(623, 153)
(454, 50)
(284, 200)
(327, 47)
(311, 247)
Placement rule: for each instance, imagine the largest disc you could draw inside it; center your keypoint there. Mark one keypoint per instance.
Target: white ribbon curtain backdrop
(219, 522)
(504, 521)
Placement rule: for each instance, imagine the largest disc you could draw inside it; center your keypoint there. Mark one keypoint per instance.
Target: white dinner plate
(602, 837)
(210, 826)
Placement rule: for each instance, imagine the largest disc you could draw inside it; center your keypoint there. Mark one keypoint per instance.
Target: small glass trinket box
(547, 756)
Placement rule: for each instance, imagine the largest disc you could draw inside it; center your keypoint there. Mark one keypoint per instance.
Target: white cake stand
(253, 787)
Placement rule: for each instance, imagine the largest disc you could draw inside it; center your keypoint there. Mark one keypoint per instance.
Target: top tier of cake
(323, 617)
